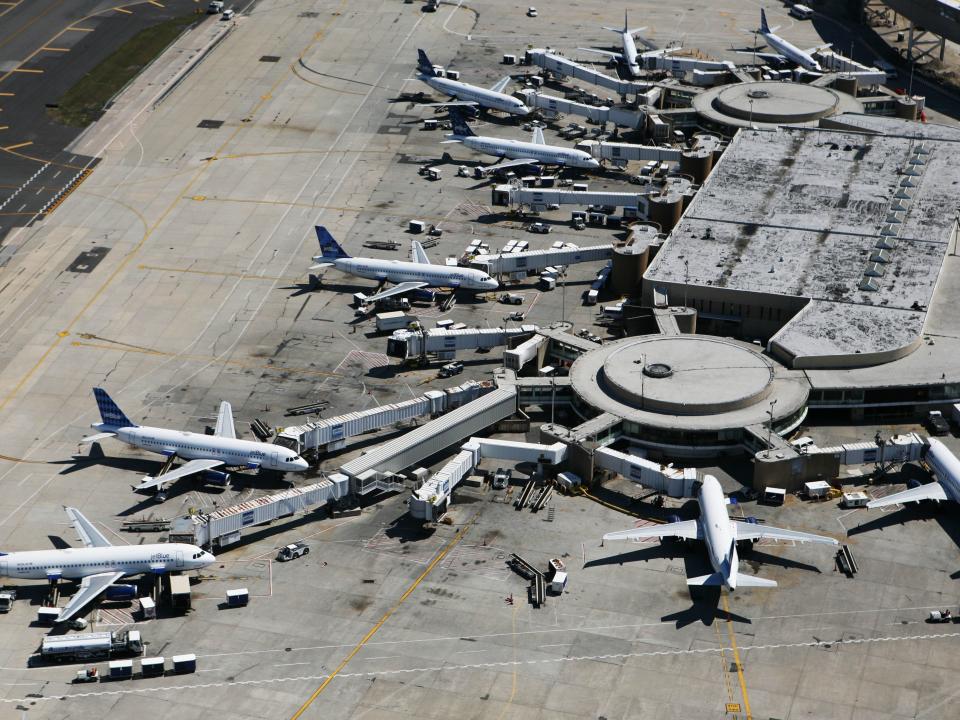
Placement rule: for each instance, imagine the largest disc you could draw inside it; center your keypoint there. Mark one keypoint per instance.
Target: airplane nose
(301, 464)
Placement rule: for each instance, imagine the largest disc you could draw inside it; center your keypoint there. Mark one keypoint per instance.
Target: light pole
(686, 281)
(553, 398)
(770, 426)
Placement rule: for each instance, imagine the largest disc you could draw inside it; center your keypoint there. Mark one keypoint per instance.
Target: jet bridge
(369, 471)
(444, 344)
(624, 117)
(511, 195)
(332, 433)
(224, 527)
(628, 151)
(430, 501)
(675, 482)
(537, 260)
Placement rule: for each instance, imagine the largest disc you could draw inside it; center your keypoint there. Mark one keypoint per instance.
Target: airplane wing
(320, 266)
(689, 529)
(537, 138)
(98, 436)
(513, 163)
(930, 491)
(451, 103)
(418, 254)
(613, 55)
(225, 427)
(194, 466)
(90, 587)
(749, 531)
(818, 48)
(776, 57)
(398, 289)
(89, 535)
(501, 85)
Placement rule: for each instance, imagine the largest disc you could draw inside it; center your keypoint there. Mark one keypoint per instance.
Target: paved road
(46, 46)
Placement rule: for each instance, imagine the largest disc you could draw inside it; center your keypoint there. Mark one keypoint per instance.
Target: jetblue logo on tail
(763, 22)
(459, 124)
(423, 63)
(329, 248)
(109, 412)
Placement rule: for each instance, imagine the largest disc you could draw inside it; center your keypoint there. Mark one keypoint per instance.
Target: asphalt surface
(46, 46)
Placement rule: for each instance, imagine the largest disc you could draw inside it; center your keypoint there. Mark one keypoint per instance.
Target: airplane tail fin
(459, 124)
(329, 248)
(763, 22)
(626, 23)
(110, 413)
(423, 63)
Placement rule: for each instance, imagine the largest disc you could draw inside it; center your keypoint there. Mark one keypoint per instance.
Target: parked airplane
(98, 565)
(946, 470)
(408, 276)
(467, 94)
(787, 51)
(628, 55)
(203, 452)
(721, 535)
(536, 152)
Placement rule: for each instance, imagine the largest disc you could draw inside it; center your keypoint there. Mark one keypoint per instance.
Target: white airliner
(629, 54)
(407, 276)
(946, 469)
(721, 535)
(203, 452)
(536, 152)
(98, 565)
(787, 51)
(467, 94)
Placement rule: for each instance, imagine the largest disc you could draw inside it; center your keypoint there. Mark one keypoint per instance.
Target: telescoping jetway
(633, 119)
(375, 469)
(536, 260)
(645, 93)
(444, 344)
(675, 482)
(430, 501)
(868, 76)
(224, 527)
(512, 195)
(332, 433)
(628, 151)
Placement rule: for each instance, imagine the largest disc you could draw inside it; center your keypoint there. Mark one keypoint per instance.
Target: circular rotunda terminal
(696, 391)
(768, 103)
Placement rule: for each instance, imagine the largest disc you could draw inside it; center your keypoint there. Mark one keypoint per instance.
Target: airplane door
(179, 561)
(3, 568)
(275, 459)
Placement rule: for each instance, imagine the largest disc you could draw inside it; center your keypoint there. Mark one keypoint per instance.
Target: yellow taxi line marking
(8, 148)
(7, 94)
(79, 29)
(123, 10)
(154, 2)
(55, 49)
(380, 623)
(736, 657)
(32, 71)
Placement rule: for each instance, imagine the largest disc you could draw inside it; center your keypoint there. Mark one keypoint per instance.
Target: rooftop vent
(922, 149)
(888, 243)
(908, 182)
(880, 256)
(916, 160)
(874, 270)
(890, 231)
(896, 216)
(897, 207)
(869, 284)
(913, 170)
(904, 193)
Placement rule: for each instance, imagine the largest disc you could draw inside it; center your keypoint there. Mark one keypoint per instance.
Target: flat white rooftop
(855, 221)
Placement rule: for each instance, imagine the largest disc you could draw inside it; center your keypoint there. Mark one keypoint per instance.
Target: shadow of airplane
(705, 607)
(97, 457)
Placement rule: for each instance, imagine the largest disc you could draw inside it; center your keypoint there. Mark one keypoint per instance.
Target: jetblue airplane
(536, 152)
(946, 469)
(203, 452)
(467, 94)
(721, 535)
(628, 55)
(98, 565)
(408, 276)
(787, 51)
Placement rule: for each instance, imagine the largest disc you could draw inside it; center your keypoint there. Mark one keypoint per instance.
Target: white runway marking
(477, 666)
